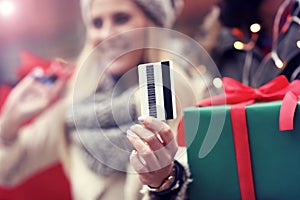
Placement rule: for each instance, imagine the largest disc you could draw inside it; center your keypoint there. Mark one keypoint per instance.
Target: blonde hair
(84, 80)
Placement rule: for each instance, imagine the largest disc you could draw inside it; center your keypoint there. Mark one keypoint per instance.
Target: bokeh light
(255, 28)
(238, 45)
(217, 82)
(7, 8)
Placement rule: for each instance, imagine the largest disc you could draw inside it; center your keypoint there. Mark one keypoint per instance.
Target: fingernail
(141, 119)
(133, 152)
(130, 133)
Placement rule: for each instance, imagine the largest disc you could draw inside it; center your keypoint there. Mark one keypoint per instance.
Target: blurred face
(112, 17)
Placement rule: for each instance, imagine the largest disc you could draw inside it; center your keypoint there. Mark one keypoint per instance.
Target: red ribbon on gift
(240, 96)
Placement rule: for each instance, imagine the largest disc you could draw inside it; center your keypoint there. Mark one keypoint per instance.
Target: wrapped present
(248, 149)
(51, 69)
(30, 61)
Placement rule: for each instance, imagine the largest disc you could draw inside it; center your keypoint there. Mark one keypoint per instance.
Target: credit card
(156, 84)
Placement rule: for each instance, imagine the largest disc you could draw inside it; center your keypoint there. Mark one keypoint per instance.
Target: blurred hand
(155, 150)
(27, 100)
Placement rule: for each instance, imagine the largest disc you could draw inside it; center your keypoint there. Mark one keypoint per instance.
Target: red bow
(277, 89)
(241, 95)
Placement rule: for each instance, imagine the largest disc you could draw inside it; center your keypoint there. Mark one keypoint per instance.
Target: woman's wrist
(166, 183)
(172, 183)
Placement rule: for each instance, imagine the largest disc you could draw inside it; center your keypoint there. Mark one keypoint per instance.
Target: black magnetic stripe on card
(151, 90)
(165, 67)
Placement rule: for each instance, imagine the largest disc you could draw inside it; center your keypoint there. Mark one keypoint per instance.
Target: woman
(95, 170)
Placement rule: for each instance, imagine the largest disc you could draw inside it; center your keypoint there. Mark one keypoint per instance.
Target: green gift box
(275, 155)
